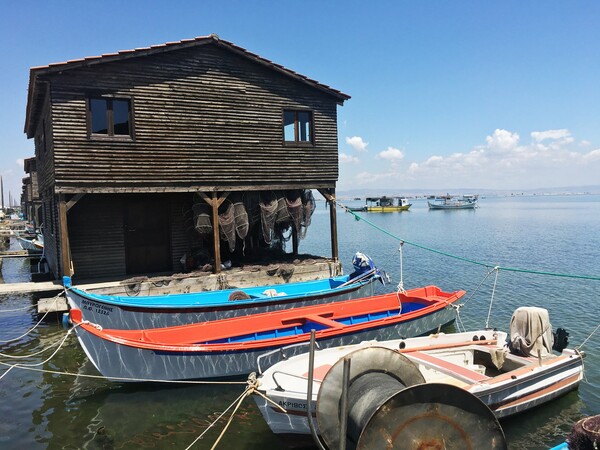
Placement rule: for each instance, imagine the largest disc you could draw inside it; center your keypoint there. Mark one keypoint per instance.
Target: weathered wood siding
(97, 234)
(202, 116)
(51, 231)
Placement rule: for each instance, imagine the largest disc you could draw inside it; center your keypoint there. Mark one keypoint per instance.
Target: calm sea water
(548, 234)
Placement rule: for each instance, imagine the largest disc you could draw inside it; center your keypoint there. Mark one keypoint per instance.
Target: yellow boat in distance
(386, 204)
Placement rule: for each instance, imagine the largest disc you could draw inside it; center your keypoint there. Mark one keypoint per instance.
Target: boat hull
(472, 205)
(506, 395)
(385, 209)
(182, 309)
(120, 360)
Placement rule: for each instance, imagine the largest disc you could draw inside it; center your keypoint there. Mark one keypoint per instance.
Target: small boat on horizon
(233, 347)
(384, 204)
(450, 202)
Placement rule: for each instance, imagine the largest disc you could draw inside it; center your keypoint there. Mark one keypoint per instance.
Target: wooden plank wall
(181, 233)
(203, 116)
(96, 230)
(97, 237)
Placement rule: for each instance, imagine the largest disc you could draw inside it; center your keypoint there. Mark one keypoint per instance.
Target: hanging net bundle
(268, 215)
(283, 214)
(296, 211)
(227, 226)
(308, 202)
(241, 220)
(202, 218)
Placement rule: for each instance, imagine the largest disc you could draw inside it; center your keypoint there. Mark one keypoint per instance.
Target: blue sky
(445, 94)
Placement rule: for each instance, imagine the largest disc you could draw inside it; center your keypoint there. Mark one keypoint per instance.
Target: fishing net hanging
(308, 201)
(283, 214)
(227, 226)
(241, 220)
(202, 218)
(296, 211)
(268, 215)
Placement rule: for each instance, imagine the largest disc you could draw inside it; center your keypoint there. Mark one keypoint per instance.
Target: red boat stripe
(449, 367)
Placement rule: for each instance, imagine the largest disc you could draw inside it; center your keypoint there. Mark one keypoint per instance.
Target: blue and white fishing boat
(239, 345)
(160, 311)
(450, 202)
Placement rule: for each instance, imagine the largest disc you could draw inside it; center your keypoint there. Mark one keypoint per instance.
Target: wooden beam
(108, 189)
(216, 235)
(215, 202)
(74, 200)
(65, 248)
(329, 195)
(294, 241)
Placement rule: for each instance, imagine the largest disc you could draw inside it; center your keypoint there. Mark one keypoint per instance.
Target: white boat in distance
(449, 202)
(479, 362)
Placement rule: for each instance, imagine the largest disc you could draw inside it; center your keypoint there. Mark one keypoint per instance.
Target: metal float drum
(391, 407)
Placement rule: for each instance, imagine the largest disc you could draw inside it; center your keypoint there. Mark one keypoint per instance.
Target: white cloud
(344, 158)
(594, 155)
(368, 178)
(502, 140)
(357, 143)
(540, 136)
(552, 158)
(20, 162)
(391, 154)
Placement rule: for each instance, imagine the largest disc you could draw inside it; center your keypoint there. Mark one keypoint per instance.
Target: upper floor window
(110, 116)
(298, 126)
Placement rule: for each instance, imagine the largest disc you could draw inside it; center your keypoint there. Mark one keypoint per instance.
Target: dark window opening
(110, 117)
(298, 126)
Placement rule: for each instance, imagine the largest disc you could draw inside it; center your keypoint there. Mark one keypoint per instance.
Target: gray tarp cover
(531, 331)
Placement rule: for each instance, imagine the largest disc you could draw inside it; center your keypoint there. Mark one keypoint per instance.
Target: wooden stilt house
(144, 156)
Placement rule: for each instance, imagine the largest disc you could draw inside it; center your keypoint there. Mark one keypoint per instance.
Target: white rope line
(34, 327)
(41, 362)
(102, 377)
(401, 289)
(487, 321)
(32, 354)
(237, 400)
(459, 321)
(587, 338)
(488, 273)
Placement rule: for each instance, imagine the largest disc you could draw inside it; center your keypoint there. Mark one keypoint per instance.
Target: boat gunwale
(143, 343)
(134, 303)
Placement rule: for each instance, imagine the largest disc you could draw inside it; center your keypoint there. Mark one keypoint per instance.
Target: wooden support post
(329, 195)
(216, 236)
(65, 247)
(294, 241)
(215, 202)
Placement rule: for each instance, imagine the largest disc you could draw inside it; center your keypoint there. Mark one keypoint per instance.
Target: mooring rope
(487, 321)
(31, 354)
(251, 386)
(23, 365)
(4, 341)
(461, 258)
(588, 338)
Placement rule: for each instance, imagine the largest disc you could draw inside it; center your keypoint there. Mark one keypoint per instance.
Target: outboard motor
(561, 339)
(362, 264)
(531, 332)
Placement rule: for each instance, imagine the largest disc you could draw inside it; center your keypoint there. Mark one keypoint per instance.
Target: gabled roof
(35, 72)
